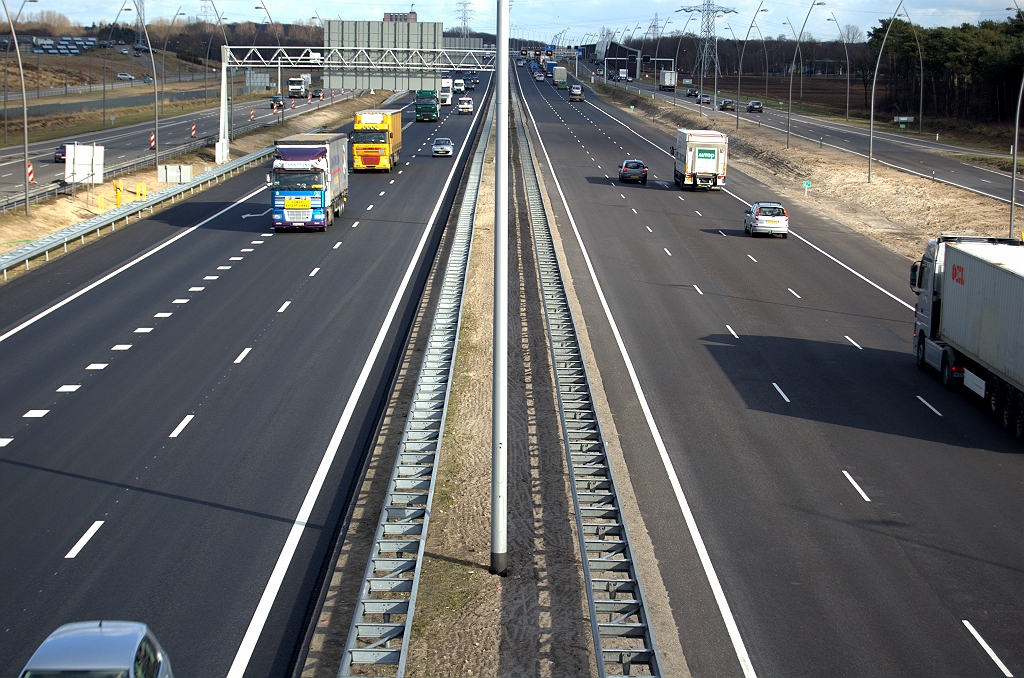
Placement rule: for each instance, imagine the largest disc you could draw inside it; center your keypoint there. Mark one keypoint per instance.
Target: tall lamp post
(110, 38)
(206, 63)
(163, 60)
(263, 6)
(657, 48)
(764, 46)
(24, 105)
(843, 38)
(1016, 136)
(874, 83)
(920, 56)
(675, 60)
(7, 53)
(156, 91)
(739, 74)
(789, 116)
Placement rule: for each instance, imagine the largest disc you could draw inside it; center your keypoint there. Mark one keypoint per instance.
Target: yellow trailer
(376, 139)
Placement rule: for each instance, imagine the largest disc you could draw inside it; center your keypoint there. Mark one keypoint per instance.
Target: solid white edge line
(241, 356)
(266, 603)
(181, 427)
(856, 486)
(784, 396)
(80, 544)
(929, 406)
(991, 654)
(118, 271)
(677, 488)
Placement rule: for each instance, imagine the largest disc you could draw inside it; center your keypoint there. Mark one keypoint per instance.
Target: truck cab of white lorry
(969, 320)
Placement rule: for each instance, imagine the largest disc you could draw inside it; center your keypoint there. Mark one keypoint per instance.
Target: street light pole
(499, 377)
(156, 92)
(789, 116)
(843, 38)
(7, 53)
(1016, 136)
(739, 74)
(163, 61)
(920, 56)
(657, 49)
(110, 37)
(874, 82)
(24, 106)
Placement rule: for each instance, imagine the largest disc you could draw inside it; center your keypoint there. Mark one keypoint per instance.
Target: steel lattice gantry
(336, 60)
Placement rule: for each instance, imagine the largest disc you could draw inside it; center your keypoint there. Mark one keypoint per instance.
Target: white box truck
(701, 158)
(309, 181)
(298, 86)
(667, 81)
(969, 320)
(445, 95)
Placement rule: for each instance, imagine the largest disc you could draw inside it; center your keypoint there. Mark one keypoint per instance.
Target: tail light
(757, 212)
(784, 212)
(645, 170)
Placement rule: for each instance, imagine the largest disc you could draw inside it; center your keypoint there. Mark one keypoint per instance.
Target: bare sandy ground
(899, 210)
(55, 214)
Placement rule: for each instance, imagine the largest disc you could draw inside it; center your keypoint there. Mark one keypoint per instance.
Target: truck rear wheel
(992, 393)
(947, 374)
(1007, 411)
(919, 352)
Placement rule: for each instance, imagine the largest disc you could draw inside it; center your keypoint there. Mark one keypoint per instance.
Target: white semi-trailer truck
(701, 158)
(969, 320)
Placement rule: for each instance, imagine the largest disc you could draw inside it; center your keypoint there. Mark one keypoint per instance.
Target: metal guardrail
(43, 246)
(45, 190)
(112, 217)
(623, 639)
(379, 635)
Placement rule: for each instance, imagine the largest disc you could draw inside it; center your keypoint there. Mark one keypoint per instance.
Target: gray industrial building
(365, 46)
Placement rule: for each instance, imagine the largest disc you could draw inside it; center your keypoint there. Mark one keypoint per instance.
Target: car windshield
(442, 142)
(634, 165)
(771, 212)
(369, 137)
(297, 181)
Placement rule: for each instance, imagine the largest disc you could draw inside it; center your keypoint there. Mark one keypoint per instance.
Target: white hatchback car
(766, 217)
(125, 76)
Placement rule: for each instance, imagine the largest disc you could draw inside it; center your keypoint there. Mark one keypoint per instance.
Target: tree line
(972, 72)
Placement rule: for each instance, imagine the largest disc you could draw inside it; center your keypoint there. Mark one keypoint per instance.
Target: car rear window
(634, 165)
(772, 212)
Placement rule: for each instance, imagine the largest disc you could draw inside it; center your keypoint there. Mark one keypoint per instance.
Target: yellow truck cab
(376, 139)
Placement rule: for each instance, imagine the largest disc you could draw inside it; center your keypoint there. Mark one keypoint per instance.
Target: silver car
(100, 649)
(443, 147)
(766, 217)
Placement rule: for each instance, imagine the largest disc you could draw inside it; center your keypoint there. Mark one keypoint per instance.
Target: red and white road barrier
(293, 103)
(31, 174)
(152, 139)
(252, 114)
(193, 130)
(309, 98)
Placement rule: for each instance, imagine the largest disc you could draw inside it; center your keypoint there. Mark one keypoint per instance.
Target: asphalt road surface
(186, 410)
(123, 144)
(837, 512)
(907, 151)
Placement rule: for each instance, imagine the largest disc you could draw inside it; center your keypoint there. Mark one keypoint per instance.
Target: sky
(542, 19)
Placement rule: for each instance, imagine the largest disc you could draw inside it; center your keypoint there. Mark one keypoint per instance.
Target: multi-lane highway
(909, 152)
(818, 506)
(124, 144)
(187, 403)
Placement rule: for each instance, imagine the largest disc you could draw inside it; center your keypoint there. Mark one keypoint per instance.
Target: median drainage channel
(619, 617)
(379, 635)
